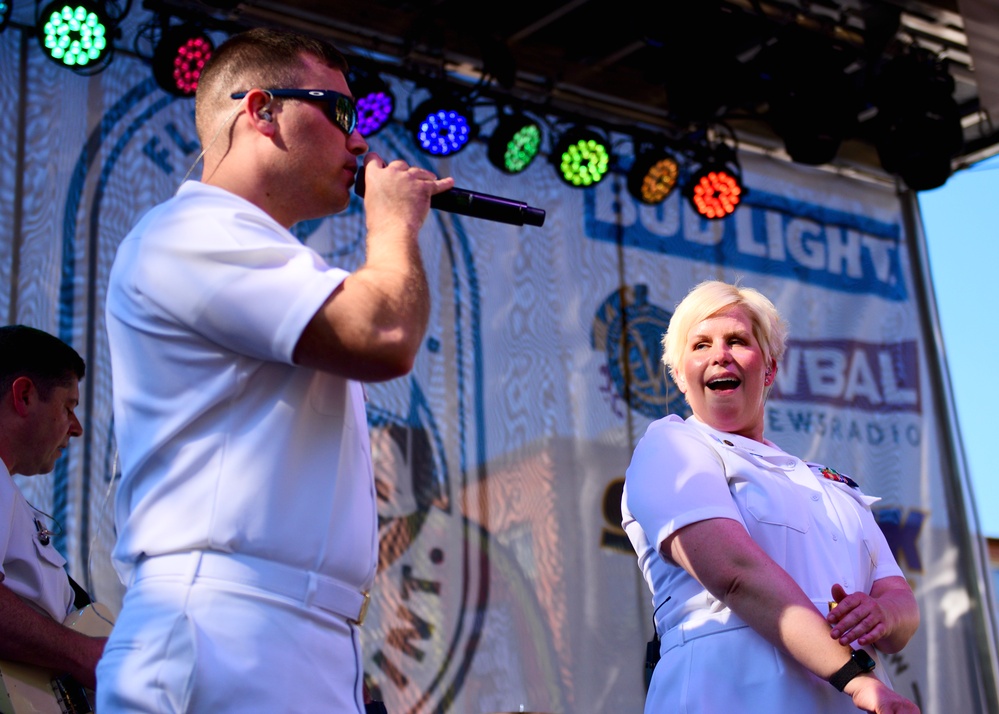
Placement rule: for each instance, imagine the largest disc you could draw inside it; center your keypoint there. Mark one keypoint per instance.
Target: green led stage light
(515, 143)
(74, 35)
(581, 158)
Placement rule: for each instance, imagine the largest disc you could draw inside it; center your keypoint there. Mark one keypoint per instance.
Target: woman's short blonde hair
(712, 297)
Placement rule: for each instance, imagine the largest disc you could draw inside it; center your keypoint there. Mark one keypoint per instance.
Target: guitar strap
(652, 647)
(81, 596)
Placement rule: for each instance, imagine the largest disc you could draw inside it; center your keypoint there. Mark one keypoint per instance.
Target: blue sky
(961, 220)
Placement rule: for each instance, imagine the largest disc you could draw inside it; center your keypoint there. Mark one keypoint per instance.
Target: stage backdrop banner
(505, 580)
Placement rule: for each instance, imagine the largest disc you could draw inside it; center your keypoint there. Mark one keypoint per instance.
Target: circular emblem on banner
(416, 656)
(631, 336)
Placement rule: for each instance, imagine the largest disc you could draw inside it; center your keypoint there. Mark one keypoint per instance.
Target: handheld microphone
(476, 205)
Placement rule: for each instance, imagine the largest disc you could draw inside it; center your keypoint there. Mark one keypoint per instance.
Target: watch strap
(860, 663)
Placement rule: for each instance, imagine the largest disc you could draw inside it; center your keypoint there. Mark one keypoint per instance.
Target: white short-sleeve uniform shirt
(820, 530)
(224, 443)
(31, 565)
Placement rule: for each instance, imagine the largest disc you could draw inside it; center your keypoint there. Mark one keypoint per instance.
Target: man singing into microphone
(246, 521)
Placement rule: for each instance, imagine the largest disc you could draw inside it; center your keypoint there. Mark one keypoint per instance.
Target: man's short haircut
(261, 58)
(46, 360)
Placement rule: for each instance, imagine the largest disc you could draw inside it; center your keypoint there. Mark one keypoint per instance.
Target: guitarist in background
(39, 389)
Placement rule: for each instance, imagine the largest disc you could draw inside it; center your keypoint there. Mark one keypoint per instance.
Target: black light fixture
(515, 142)
(653, 175)
(179, 58)
(715, 189)
(918, 123)
(702, 77)
(442, 125)
(374, 99)
(581, 157)
(812, 97)
(76, 35)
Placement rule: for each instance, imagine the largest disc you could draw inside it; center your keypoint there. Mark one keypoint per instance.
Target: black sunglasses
(338, 107)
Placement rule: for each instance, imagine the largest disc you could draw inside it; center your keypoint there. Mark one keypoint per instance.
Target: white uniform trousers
(205, 645)
(737, 671)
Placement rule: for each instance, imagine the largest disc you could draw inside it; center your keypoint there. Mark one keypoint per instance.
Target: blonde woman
(744, 546)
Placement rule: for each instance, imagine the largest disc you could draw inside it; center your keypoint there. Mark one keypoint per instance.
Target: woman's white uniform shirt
(820, 530)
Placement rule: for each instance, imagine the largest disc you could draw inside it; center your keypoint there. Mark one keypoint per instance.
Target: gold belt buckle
(364, 611)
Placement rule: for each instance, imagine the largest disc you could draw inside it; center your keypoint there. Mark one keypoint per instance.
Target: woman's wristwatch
(860, 663)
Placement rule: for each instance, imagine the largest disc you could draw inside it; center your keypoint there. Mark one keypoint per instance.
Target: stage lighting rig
(6, 8)
(375, 101)
(76, 35)
(918, 123)
(813, 101)
(515, 142)
(581, 157)
(179, 58)
(653, 175)
(442, 125)
(715, 189)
